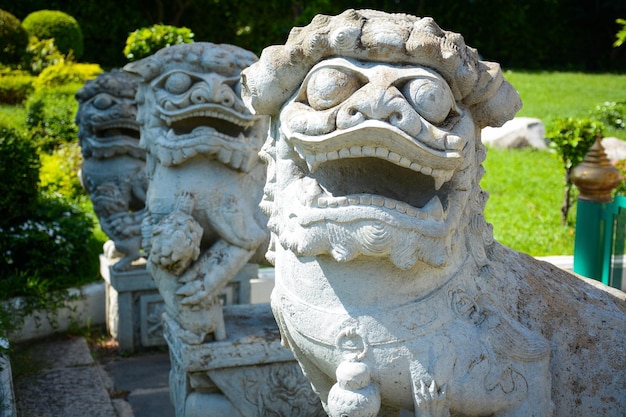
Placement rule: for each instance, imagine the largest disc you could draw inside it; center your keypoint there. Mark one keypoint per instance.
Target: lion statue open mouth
(390, 289)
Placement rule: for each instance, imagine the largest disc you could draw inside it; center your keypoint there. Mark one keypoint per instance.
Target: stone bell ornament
(390, 288)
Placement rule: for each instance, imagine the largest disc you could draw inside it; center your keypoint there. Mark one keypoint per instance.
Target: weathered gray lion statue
(113, 170)
(390, 289)
(206, 179)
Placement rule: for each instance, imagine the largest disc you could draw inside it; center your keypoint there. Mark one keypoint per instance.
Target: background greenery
(55, 245)
(522, 34)
(526, 186)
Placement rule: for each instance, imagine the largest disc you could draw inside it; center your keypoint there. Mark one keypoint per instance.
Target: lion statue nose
(382, 104)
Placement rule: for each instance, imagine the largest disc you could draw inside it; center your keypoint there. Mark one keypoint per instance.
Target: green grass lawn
(526, 187)
(525, 195)
(551, 95)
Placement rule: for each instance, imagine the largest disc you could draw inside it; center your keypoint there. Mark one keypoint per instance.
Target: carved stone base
(249, 374)
(134, 306)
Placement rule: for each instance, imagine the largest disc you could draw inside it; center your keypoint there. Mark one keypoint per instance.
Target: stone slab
(68, 392)
(64, 353)
(146, 379)
(252, 339)
(69, 383)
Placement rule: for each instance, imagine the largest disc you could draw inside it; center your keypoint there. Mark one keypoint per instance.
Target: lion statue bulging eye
(102, 101)
(430, 98)
(328, 87)
(178, 83)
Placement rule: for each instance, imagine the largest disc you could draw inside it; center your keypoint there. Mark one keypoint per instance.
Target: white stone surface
(615, 149)
(390, 289)
(87, 309)
(520, 132)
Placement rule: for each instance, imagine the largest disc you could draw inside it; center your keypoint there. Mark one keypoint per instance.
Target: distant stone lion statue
(206, 179)
(113, 169)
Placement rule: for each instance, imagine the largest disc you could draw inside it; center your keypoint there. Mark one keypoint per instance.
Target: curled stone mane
(379, 37)
(116, 82)
(226, 60)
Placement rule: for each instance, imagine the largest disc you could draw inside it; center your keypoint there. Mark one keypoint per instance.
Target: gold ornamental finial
(595, 177)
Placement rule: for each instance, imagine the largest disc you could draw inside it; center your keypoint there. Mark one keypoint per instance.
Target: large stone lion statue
(390, 288)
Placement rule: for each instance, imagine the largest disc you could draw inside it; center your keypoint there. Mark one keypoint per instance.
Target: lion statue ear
(146, 68)
(493, 101)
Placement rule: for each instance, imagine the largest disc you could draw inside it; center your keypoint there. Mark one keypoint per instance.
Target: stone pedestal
(248, 374)
(134, 306)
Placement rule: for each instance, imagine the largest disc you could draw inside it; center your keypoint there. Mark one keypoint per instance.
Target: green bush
(50, 116)
(13, 39)
(612, 114)
(47, 249)
(66, 73)
(59, 170)
(571, 139)
(15, 86)
(41, 54)
(19, 170)
(146, 41)
(57, 25)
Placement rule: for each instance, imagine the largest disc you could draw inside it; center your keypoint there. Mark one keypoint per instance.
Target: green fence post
(589, 242)
(596, 179)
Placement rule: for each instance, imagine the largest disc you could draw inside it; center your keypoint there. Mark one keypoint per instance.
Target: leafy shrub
(47, 249)
(41, 54)
(57, 25)
(59, 172)
(15, 86)
(13, 39)
(50, 116)
(621, 188)
(612, 114)
(621, 34)
(64, 73)
(146, 41)
(19, 170)
(571, 138)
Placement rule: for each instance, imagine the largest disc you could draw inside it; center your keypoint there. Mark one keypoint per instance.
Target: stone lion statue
(206, 179)
(390, 288)
(113, 169)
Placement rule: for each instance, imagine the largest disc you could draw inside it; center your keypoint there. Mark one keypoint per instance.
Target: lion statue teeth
(390, 288)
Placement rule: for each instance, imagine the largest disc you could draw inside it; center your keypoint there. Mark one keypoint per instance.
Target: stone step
(67, 382)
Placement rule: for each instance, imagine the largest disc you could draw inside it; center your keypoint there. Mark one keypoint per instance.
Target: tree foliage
(13, 39)
(57, 25)
(530, 34)
(146, 41)
(571, 138)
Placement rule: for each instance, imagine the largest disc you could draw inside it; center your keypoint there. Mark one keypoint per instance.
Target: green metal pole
(589, 243)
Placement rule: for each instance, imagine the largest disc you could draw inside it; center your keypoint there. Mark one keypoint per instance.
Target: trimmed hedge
(57, 25)
(146, 41)
(50, 116)
(13, 39)
(65, 73)
(19, 170)
(15, 87)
